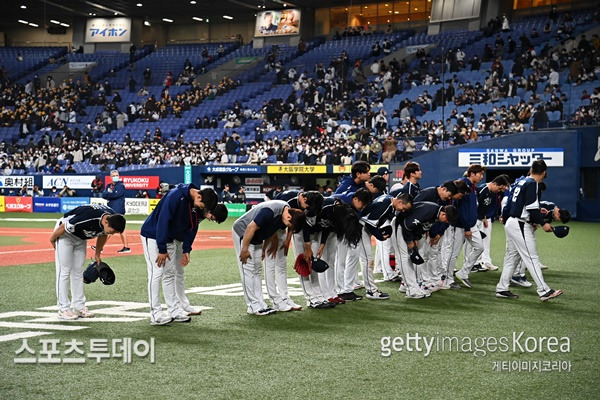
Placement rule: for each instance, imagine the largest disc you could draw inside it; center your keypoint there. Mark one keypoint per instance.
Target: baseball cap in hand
(106, 274)
(319, 265)
(561, 231)
(91, 274)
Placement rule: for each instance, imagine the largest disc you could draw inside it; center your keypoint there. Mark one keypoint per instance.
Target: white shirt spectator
(553, 77)
(375, 68)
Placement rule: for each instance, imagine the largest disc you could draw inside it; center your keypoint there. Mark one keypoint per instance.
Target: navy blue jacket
(421, 218)
(115, 194)
(467, 208)
(174, 218)
(348, 185)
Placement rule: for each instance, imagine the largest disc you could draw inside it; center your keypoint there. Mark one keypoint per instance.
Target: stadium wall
(562, 181)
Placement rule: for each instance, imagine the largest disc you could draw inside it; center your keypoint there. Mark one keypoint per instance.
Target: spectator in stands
(132, 84)
(147, 76)
(97, 186)
(37, 191)
(505, 23)
(23, 191)
(301, 47)
(132, 50)
(66, 192)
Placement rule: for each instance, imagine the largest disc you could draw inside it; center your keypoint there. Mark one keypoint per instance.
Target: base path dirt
(37, 249)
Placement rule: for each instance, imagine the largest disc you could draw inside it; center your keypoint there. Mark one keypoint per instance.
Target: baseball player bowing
(374, 218)
(524, 217)
(218, 215)
(249, 234)
(407, 230)
(487, 205)
(431, 244)
(276, 267)
(550, 212)
(346, 258)
(167, 237)
(69, 239)
(336, 220)
(465, 229)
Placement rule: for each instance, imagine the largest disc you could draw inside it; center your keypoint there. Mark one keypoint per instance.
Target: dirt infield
(37, 249)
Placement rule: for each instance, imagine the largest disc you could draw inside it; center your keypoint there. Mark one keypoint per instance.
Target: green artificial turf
(322, 354)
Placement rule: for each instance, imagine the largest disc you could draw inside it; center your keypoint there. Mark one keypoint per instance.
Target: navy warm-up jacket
(174, 218)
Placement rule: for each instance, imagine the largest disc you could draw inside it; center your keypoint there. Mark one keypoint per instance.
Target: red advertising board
(138, 182)
(18, 204)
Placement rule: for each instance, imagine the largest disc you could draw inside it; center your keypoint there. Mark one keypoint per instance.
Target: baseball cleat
(417, 294)
(322, 305)
(490, 267)
(162, 320)
(336, 300)
(84, 313)
(67, 315)
(506, 294)
(190, 310)
(350, 296)
(551, 294)
(465, 280)
(124, 250)
(402, 288)
(542, 266)
(520, 281)
(265, 311)
(377, 295)
(283, 307)
(184, 317)
(455, 286)
(359, 285)
(295, 307)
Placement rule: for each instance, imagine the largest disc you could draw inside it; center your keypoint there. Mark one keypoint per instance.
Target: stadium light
(55, 21)
(227, 17)
(65, 25)
(167, 20)
(197, 19)
(23, 7)
(23, 21)
(32, 24)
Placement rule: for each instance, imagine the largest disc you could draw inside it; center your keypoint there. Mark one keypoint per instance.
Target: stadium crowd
(334, 119)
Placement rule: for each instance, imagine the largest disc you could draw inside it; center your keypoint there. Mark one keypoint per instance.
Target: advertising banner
(136, 182)
(46, 204)
(112, 30)
(510, 157)
(231, 169)
(69, 203)
(98, 200)
(16, 181)
(152, 204)
(18, 204)
(136, 206)
(297, 169)
(2, 204)
(235, 209)
(72, 181)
